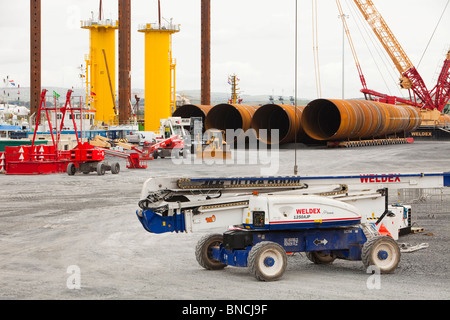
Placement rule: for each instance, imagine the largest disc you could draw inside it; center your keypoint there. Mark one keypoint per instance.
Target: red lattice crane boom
(410, 78)
(368, 92)
(441, 93)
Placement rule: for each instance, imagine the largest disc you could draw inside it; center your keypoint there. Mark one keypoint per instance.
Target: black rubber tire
(186, 153)
(203, 252)
(318, 257)
(258, 256)
(101, 169)
(371, 254)
(115, 168)
(71, 169)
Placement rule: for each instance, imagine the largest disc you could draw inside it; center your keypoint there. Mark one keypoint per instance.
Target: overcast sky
(251, 38)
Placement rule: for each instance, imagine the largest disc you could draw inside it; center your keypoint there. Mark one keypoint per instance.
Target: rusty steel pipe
(35, 55)
(205, 52)
(192, 110)
(415, 119)
(328, 120)
(124, 60)
(283, 118)
(230, 116)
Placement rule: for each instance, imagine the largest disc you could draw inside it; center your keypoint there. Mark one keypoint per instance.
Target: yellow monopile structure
(101, 69)
(159, 73)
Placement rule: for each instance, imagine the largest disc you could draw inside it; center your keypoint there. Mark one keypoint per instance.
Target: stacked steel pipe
(320, 120)
(191, 110)
(230, 116)
(331, 120)
(284, 118)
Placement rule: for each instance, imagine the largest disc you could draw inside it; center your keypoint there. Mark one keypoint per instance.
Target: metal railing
(426, 202)
(157, 26)
(96, 22)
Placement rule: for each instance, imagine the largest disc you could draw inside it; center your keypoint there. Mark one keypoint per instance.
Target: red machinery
(43, 159)
(134, 160)
(173, 146)
(410, 79)
(46, 159)
(86, 158)
(2, 162)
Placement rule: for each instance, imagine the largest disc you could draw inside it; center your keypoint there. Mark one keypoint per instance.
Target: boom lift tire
(101, 169)
(71, 169)
(319, 257)
(115, 168)
(203, 252)
(176, 153)
(267, 261)
(186, 153)
(382, 252)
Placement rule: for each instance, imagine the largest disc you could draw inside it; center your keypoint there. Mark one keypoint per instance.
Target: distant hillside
(22, 96)
(221, 97)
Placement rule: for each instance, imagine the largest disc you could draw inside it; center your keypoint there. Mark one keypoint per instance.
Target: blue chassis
(344, 243)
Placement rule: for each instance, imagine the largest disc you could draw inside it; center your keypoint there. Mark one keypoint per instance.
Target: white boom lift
(259, 220)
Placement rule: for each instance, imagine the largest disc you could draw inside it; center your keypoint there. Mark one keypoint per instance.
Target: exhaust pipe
(230, 116)
(328, 120)
(283, 118)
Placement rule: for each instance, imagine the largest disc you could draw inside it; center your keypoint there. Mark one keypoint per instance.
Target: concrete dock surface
(78, 237)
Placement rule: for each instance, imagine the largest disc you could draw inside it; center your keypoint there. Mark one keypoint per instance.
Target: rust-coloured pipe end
(283, 118)
(321, 119)
(230, 116)
(192, 110)
(332, 120)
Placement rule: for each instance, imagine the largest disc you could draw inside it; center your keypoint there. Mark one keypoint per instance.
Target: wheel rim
(270, 262)
(385, 255)
(209, 250)
(382, 255)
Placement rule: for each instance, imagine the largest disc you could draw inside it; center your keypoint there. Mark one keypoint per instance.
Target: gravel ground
(54, 225)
